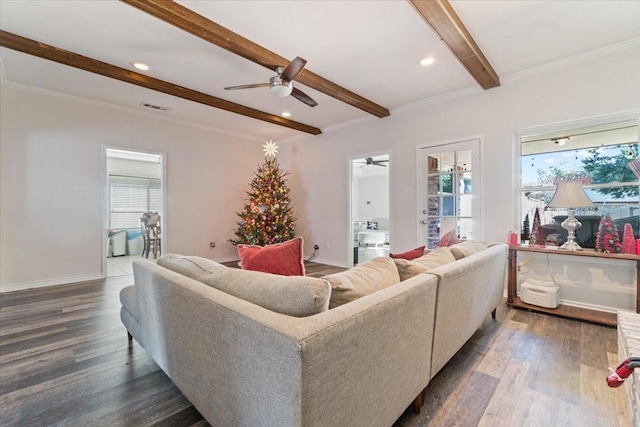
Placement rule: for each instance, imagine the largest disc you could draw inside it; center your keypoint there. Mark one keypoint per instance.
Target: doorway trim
(105, 198)
(350, 204)
(421, 173)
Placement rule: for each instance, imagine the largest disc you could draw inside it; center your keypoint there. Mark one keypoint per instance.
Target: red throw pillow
(451, 238)
(409, 255)
(285, 259)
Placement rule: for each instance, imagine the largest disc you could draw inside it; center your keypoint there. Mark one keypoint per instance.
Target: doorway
(449, 191)
(369, 230)
(133, 185)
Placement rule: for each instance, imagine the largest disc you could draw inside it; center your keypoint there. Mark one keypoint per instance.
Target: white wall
(50, 159)
(319, 179)
(51, 185)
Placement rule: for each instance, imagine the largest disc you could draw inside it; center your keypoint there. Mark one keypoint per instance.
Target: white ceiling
(369, 47)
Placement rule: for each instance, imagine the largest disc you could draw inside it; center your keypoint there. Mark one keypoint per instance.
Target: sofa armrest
(473, 286)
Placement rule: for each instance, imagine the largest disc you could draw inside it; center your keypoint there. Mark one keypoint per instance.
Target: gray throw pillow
(361, 280)
(468, 248)
(297, 296)
(435, 258)
(194, 267)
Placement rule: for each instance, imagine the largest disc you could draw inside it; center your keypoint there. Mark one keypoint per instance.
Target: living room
(53, 144)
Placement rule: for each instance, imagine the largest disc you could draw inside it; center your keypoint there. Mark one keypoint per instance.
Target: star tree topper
(270, 150)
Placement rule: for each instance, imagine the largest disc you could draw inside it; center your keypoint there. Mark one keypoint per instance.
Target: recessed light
(140, 66)
(427, 61)
(286, 114)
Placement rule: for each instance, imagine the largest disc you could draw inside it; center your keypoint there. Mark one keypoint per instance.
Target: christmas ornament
(270, 151)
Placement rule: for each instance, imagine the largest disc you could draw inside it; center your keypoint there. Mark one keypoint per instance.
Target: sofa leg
(129, 337)
(418, 402)
(493, 313)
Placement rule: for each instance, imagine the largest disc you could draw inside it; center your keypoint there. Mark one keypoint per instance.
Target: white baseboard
(330, 262)
(53, 282)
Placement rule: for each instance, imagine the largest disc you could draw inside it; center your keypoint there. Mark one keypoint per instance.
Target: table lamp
(570, 195)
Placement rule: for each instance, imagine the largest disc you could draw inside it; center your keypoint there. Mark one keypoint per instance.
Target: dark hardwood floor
(65, 360)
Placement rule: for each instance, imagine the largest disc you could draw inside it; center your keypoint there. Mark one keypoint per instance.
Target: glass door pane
(448, 201)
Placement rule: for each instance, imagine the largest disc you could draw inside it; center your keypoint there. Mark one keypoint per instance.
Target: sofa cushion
(361, 280)
(284, 258)
(467, 248)
(194, 267)
(412, 254)
(435, 258)
(291, 295)
(450, 238)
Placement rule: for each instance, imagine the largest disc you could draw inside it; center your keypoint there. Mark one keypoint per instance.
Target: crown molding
(128, 110)
(572, 60)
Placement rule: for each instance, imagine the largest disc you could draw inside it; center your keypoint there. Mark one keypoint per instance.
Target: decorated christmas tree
(628, 240)
(525, 235)
(537, 233)
(607, 240)
(266, 218)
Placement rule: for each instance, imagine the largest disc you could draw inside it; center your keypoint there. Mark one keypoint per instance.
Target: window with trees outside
(605, 155)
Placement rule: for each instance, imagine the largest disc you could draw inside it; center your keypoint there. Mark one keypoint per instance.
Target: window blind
(130, 197)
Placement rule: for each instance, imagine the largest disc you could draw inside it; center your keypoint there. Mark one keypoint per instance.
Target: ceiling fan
(282, 84)
(370, 162)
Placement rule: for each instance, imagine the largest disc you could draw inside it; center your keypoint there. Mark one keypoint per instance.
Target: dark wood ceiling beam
(191, 22)
(52, 53)
(445, 22)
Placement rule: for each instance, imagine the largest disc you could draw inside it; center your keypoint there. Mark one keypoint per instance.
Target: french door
(449, 188)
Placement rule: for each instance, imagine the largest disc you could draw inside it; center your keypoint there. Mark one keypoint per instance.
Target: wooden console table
(593, 316)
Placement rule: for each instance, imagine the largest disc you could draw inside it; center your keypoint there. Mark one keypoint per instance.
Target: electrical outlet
(212, 245)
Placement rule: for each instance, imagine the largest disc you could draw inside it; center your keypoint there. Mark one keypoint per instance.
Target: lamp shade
(570, 194)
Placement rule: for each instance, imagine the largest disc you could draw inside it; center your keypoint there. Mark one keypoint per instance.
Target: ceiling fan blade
(247, 86)
(293, 69)
(301, 96)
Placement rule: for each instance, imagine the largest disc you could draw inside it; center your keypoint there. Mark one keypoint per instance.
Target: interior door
(449, 188)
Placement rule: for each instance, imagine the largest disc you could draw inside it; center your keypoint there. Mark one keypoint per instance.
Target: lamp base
(571, 224)
(571, 245)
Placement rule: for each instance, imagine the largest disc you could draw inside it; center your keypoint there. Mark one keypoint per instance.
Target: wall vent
(154, 107)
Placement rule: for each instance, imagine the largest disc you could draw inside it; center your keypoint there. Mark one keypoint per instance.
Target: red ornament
(628, 240)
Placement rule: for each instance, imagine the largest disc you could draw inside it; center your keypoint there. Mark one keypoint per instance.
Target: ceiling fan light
(280, 87)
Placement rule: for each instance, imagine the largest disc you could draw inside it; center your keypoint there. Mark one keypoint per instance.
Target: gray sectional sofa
(254, 349)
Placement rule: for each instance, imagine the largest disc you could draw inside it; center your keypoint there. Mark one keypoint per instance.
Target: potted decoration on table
(628, 240)
(537, 232)
(607, 239)
(525, 236)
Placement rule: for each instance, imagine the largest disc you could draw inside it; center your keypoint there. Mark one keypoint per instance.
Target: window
(130, 197)
(605, 155)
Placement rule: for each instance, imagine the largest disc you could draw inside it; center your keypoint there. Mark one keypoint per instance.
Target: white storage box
(119, 243)
(134, 242)
(540, 292)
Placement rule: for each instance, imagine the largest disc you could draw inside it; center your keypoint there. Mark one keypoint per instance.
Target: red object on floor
(623, 371)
